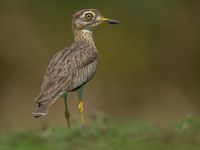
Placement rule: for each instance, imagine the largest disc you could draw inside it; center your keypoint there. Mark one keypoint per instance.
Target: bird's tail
(42, 109)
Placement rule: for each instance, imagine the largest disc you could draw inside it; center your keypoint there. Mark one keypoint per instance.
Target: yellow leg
(81, 109)
(80, 106)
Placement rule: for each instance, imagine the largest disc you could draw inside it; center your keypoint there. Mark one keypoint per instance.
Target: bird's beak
(110, 21)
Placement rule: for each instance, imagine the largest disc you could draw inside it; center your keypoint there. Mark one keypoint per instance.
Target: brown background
(149, 64)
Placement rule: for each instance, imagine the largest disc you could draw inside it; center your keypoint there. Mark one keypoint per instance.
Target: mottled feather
(68, 70)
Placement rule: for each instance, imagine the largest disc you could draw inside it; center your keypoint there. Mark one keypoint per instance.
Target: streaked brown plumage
(74, 66)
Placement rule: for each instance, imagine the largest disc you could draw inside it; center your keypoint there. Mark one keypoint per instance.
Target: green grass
(103, 134)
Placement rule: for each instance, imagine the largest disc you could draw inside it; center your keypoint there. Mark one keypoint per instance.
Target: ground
(102, 133)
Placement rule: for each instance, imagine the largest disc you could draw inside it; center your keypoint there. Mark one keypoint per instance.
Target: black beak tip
(112, 21)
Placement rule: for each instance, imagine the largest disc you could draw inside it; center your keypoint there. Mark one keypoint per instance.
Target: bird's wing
(67, 70)
(53, 75)
(84, 70)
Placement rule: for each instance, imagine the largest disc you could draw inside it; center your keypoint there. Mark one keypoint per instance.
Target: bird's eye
(89, 16)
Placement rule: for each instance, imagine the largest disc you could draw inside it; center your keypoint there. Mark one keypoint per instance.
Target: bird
(71, 68)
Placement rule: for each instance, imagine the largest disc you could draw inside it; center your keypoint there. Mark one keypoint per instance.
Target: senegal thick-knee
(70, 69)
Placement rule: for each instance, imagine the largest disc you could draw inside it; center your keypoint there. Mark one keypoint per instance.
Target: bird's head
(88, 18)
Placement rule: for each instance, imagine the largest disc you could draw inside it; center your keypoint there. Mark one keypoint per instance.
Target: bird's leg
(67, 114)
(81, 105)
(81, 108)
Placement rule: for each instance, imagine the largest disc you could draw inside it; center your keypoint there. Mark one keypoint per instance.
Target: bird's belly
(83, 75)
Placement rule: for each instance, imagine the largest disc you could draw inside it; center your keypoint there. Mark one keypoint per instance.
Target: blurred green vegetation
(149, 64)
(103, 133)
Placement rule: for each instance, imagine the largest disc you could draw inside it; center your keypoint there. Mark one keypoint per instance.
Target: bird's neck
(83, 36)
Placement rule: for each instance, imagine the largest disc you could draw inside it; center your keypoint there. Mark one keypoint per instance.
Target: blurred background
(149, 64)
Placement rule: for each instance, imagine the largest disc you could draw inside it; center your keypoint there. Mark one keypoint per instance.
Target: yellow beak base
(110, 21)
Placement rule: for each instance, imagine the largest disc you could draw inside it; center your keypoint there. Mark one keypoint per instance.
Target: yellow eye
(89, 16)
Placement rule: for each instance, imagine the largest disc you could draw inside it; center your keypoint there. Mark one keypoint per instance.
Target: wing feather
(67, 70)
